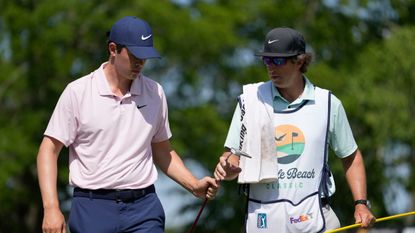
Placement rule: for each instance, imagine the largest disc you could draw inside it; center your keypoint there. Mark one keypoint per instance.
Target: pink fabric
(109, 138)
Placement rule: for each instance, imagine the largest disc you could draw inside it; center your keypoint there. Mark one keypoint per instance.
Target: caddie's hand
(207, 187)
(53, 221)
(227, 169)
(363, 215)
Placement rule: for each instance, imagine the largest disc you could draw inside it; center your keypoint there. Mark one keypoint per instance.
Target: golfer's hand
(206, 188)
(363, 215)
(227, 168)
(53, 221)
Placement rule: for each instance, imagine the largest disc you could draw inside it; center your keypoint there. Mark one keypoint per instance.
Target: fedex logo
(301, 218)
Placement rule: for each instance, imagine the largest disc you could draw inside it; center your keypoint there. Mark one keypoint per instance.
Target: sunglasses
(278, 61)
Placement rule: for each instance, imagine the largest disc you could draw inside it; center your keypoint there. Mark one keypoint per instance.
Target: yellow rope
(377, 220)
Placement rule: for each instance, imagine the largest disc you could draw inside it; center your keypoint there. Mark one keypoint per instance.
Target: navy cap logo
(145, 37)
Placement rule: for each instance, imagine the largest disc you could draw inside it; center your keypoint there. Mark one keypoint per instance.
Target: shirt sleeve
(341, 138)
(163, 132)
(62, 124)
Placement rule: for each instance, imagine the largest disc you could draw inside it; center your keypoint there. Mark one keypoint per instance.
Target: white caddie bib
(293, 204)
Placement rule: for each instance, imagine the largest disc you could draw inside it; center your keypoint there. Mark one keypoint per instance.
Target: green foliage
(207, 49)
(384, 88)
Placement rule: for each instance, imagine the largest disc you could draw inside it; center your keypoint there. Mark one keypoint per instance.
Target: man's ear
(112, 48)
(300, 62)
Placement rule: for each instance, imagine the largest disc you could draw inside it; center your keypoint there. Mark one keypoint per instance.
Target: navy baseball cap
(283, 42)
(136, 35)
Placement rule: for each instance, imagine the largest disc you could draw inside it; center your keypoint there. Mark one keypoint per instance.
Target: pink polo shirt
(109, 138)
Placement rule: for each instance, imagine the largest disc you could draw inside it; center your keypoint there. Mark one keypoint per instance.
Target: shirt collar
(104, 87)
(137, 85)
(308, 92)
(102, 83)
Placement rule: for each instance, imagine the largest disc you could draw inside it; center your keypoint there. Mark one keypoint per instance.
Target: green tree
(389, 109)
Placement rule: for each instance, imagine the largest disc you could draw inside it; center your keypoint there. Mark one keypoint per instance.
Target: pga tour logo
(261, 220)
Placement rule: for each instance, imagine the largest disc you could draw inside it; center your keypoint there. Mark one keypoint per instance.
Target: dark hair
(306, 57)
(119, 46)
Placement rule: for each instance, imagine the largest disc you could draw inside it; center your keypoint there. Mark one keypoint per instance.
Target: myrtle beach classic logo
(290, 142)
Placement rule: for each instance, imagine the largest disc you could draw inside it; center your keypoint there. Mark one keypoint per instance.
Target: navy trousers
(90, 215)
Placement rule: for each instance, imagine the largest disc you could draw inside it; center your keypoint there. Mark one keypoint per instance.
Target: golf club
(233, 151)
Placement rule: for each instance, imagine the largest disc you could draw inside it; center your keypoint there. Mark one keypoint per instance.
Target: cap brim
(143, 52)
(264, 54)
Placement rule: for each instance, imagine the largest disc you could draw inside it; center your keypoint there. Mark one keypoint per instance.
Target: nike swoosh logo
(272, 41)
(142, 106)
(145, 37)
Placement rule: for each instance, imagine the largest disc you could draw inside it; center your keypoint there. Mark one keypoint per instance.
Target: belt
(118, 195)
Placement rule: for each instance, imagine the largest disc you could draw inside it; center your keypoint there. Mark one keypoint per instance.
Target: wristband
(363, 202)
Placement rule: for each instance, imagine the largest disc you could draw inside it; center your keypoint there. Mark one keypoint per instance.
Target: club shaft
(198, 216)
(377, 220)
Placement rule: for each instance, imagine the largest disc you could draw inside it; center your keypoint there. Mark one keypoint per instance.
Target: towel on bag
(257, 134)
